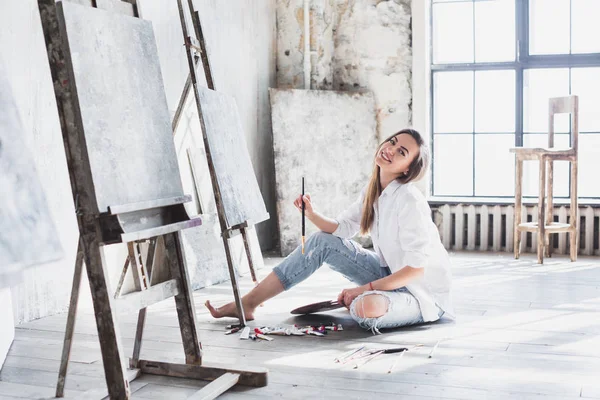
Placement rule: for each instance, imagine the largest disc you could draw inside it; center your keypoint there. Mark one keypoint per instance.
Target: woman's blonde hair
(416, 170)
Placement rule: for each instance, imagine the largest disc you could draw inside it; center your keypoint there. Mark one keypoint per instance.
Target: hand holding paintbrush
(303, 224)
(303, 204)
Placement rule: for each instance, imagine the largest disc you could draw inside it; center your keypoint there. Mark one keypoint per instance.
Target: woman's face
(396, 154)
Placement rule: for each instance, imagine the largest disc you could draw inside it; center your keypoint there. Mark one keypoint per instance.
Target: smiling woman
(406, 279)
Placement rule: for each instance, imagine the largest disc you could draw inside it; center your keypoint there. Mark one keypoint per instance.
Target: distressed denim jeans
(356, 264)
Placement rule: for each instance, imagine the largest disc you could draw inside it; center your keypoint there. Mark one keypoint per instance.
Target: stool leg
(574, 232)
(550, 210)
(541, 231)
(518, 205)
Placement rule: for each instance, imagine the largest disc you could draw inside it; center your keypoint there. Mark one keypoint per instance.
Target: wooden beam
(184, 301)
(137, 300)
(160, 230)
(216, 387)
(139, 332)
(145, 205)
(211, 166)
(255, 377)
(70, 330)
(101, 393)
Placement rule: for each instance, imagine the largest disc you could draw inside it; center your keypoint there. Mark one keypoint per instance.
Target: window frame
(523, 61)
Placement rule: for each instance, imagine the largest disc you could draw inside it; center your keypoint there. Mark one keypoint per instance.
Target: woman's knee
(320, 238)
(371, 306)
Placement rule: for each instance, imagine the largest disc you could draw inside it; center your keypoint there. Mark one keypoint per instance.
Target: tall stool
(546, 157)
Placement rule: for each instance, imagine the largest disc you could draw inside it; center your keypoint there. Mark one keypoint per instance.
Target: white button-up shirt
(404, 234)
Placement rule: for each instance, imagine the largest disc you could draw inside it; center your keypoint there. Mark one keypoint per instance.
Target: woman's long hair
(416, 170)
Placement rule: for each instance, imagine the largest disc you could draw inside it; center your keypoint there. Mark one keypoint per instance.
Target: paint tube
(263, 337)
(245, 335)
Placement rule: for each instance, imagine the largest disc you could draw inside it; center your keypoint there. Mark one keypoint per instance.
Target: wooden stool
(546, 157)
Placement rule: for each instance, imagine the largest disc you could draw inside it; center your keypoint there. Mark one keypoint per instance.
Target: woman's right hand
(308, 209)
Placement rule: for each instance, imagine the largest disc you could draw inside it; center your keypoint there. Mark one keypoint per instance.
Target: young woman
(406, 279)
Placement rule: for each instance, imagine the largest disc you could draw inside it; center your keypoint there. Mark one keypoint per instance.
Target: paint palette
(318, 307)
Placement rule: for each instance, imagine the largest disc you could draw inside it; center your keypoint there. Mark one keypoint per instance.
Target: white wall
(44, 289)
(7, 327)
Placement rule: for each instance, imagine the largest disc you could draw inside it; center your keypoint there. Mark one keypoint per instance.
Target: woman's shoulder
(410, 193)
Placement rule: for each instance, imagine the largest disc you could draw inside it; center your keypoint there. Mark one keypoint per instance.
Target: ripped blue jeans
(356, 264)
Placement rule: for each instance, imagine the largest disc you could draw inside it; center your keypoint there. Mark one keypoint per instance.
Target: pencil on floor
(434, 348)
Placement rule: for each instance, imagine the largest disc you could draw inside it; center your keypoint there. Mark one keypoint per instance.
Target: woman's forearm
(396, 280)
(326, 224)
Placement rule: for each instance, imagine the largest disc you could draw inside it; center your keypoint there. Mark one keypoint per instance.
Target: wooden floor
(524, 331)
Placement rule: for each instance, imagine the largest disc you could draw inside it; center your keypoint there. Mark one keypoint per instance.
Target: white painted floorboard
(524, 331)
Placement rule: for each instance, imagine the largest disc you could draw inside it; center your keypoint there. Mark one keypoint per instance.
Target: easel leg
(234, 283)
(209, 80)
(541, 233)
(518, 205)
(139, 333)
(137, 345)
(249, 255)
(122, 278)
(108, 329)
(70, 330)
(184, 301)
(550, 206)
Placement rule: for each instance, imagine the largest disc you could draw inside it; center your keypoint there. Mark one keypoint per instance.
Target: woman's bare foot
(228, 310)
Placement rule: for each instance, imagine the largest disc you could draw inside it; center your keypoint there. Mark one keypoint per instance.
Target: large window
(495, 63)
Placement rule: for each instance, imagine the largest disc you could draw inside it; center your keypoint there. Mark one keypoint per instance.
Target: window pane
(549, 27)
(585, 27)
(452, 33)
(453, 171)
(495, 101)
(495, 31)
(589, 165)
(531, 168)
(585, 83)
(539, 86)
(453, 102)
(494, 165)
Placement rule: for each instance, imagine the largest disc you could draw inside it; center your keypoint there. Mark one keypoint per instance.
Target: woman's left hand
(348, 295)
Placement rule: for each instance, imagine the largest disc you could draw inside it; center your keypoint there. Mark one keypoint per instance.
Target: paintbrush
(434, 348)
(395, 362)
(303, 225)
(343, 357)
(366, 359)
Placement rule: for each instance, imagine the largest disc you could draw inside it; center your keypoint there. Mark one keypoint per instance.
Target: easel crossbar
(154, 294)
(255, 377)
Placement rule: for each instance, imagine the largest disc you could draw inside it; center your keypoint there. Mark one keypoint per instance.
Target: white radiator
(490, 228)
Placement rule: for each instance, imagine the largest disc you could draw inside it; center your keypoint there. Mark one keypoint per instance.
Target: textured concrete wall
(329, 137)
(242, 39)
(356, 45)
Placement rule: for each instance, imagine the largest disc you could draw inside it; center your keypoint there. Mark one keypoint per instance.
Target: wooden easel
(196, 51)
(103, 220)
